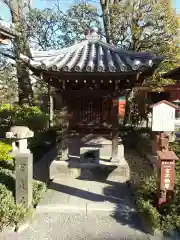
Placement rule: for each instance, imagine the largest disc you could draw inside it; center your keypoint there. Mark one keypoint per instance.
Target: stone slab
(101, 207)
(120, 174)
(52, 197)
(82, 196)
(62, 208)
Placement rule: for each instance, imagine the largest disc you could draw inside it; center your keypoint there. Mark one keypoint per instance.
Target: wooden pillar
(115, 124)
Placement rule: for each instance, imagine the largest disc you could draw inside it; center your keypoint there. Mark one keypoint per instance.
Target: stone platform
(76, 166)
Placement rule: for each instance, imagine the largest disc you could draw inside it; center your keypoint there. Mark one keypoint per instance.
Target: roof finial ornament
(92, 34)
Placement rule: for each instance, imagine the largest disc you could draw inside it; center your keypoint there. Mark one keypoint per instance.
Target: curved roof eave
(93, 55)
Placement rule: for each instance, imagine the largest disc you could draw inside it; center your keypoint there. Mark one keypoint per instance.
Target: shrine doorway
(90, 110)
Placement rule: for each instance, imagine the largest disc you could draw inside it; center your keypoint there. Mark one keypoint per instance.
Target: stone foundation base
(102, 171)
(90, 158)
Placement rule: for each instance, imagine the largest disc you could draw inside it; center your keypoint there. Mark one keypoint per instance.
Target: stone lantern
(18, 136)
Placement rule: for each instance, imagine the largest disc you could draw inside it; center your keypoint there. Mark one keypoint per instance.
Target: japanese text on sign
(167, 175)
(163, 118)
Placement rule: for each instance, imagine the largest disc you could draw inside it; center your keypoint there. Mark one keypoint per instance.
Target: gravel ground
(58, 226)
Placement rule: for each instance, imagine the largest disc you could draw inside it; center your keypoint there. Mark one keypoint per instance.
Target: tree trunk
(105, 11)
(104, 7)
(21, 46)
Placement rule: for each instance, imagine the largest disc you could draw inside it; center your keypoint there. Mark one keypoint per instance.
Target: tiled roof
(92, 55)
(7, 29)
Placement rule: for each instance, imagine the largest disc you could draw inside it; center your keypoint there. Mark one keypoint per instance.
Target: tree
(21, 46)
(49, 29)
(147, 26)
(8, 82)
(105, 14)
(43, 29)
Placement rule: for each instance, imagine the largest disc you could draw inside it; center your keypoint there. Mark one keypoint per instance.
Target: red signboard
(167, 175)
(122, 105)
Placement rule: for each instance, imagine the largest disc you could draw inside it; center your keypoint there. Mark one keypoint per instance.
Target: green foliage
(42, 142)
(21, 214)
(7, 178)
(11, 214)
(39, 189)
(149, 213)
(138, 107)
(32, 117)
(6, 207)
(167, 217)
(147, 189)
(56, 29)
(4, 151)
(147, 26)
(175, 146)
(8, 82)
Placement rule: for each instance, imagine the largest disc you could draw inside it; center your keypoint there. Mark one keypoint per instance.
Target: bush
(4, 151)
(6, 207)
(32, 117)
(167, 217)
(7, 178)
(148, 189)
(42, 142)
(38, 189)
(149, 213)
(11, 214)
(7, 165)
(21, 214)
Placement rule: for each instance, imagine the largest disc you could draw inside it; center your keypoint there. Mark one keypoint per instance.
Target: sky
(65, 4)
(4, 12)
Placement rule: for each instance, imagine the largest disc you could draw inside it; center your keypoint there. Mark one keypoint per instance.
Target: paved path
(63, 226)
(75, 209)
(73, 195)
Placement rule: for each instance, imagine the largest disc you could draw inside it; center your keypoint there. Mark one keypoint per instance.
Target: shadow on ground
(117, 193)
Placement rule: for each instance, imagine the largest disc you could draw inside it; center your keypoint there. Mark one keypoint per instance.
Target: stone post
(64, 135)
(51, 107)
(115, 126)
(23, 163)
(24, 176)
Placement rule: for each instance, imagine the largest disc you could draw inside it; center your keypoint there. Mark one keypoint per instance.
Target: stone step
(112, 173)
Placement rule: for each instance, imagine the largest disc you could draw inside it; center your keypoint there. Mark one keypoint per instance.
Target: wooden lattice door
(90, 111)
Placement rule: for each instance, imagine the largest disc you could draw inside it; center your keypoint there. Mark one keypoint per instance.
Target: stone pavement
(78, 209)
(74, 209)
(68, 226)
(74, 195)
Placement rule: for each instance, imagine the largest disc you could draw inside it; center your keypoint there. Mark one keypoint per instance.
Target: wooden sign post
(163, 116)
